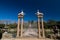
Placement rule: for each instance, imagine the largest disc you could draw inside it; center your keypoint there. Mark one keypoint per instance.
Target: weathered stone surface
(27, 39)
(6, 35)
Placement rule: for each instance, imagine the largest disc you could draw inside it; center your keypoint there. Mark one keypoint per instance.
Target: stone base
(27, 39)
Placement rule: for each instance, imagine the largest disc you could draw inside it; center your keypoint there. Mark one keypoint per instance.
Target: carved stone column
(43, 33)
(22, 28)
(39, 34)
(18, 27)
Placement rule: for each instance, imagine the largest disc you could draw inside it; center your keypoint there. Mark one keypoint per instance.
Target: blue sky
(9, 9)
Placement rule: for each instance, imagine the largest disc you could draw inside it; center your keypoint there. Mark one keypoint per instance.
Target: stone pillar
(39, 34)
(43, 33)
(22, 27)
(18, 27)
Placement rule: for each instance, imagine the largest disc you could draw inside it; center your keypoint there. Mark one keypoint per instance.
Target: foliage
(51, 22)
(12, 25)
(45, 25)
(2, 25)
(58, 24)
